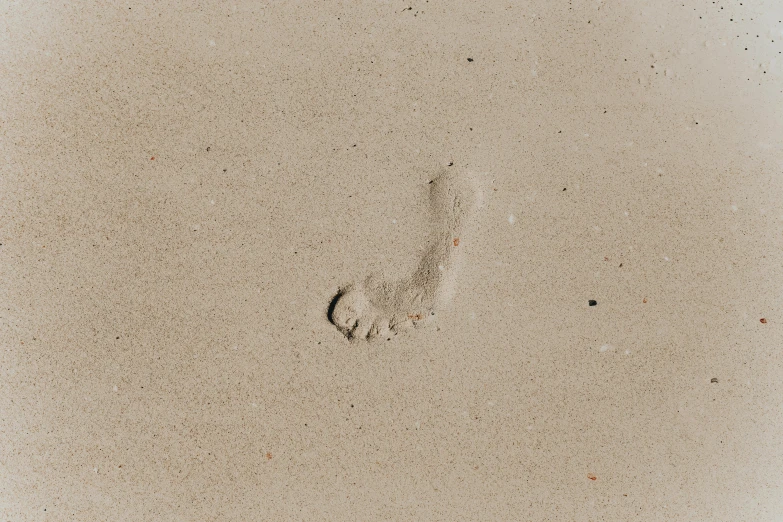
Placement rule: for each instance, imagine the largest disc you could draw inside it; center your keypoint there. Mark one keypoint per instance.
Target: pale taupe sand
(186, 187)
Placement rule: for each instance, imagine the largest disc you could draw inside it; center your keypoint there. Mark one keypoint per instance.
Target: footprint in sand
(377, 309)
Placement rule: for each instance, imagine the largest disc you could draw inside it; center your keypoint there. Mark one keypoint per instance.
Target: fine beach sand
(333, 261)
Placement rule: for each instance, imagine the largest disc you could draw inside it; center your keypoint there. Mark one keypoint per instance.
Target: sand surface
(186, 186)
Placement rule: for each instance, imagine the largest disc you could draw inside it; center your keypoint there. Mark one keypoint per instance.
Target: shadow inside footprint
(332, 305)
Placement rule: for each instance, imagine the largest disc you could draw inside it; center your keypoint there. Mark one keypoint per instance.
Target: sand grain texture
(185, 187)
